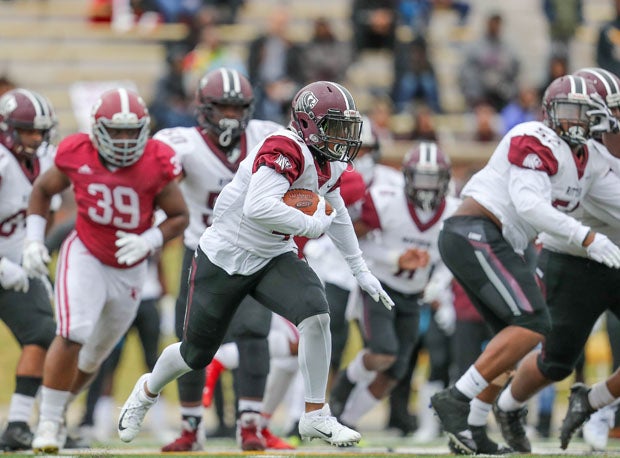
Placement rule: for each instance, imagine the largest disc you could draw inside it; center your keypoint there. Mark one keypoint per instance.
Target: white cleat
(48, 439)
(596, 429)
(320, 424)
(135, 408)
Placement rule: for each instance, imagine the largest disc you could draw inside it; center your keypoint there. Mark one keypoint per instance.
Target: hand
(601, 118)
(321, 221)
(35, 258)
(12, 276)
(445, 317)
(413, 258)
(432, 291)
(134, 247)
(369, 283)
(604, 251)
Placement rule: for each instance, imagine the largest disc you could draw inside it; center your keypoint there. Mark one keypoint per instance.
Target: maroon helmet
(427, 175)
(120, 109)
(566, 103)
(607, 84)
(324, 115)
(28, 110)
(219, 88)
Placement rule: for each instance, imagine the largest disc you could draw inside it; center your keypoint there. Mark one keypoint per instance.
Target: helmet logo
(306, 102)
(314, 138)
(9, 104)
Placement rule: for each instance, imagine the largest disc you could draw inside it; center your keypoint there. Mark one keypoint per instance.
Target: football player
(210, 155)
(26, 122)
(402, 249)
(119, 177)
(539, 172)
(578, 290)
(249, 249)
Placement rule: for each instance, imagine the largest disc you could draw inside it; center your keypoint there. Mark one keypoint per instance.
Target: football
(304, 200)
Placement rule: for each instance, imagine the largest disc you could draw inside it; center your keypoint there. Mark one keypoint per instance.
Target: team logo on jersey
(283, 162)
(532, 161)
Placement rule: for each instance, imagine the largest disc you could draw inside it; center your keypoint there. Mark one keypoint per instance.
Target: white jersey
(240, 245)
(600, 207)
(15, 189)
(401, 226)
(206, 170)
(530, 182)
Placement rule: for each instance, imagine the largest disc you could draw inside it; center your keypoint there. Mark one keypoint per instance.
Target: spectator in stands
(556, 67)
(608, 46)
(326, 57)
(564, 18)
(416, 14)
(171, 106)
(380, 115)
(524, 108)
(423, 126)
(275, 69)
(210, 53)
(6, 84)
(414, 76)
(486, 123)
(374, 24)
(490, 69)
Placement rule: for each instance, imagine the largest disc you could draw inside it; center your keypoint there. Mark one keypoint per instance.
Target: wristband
(35, 227)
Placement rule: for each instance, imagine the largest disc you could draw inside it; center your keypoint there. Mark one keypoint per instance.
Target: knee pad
(553, 370)
(197, 356)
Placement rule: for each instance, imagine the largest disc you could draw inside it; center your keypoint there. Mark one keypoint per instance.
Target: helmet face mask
(607, 86)
(225, 103)
(566, 103)
(27, 120)
(427, 176)
(325, 117)
(120, 127)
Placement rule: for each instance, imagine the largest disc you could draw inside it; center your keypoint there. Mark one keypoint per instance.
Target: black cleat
(453, 413)
(512, 425)
(579, 410)
(16, 436)
(484, 445)
(340, 393)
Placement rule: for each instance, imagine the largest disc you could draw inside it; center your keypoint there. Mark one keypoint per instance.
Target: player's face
(30, 139)
(124, 134)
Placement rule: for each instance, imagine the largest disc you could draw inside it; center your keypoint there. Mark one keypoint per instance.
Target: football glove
(604, 251)
(35, 258)
(12, 276)
(369, 283)
(445, 317)
(320, 221)
(135, 247)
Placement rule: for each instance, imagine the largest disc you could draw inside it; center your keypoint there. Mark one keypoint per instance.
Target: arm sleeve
(530, 191)
(263, 204)
(342, 234)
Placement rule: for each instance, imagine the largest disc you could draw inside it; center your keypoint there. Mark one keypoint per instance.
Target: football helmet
(117, 111)
(607, 84)
(28, 110)
(566, 103)
(218, 90)
(427, 175)
(324, 115)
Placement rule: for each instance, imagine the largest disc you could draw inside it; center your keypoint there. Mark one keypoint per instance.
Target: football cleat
(186, 442)
(16, 436)
(48, 438)
(512, 425)
(320, 424)
(453, 413)
(274, 442)
(134, 410)
(579, 410)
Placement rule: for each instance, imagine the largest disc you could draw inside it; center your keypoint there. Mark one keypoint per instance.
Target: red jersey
(108, 201)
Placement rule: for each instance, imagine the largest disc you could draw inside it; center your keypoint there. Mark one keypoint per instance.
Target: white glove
(601, 119)
(604, 251)
(445, 317)
(12, 276)
(320, 221)
(134, 247)
(432, 291)
(369, 283)
(35, 258)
